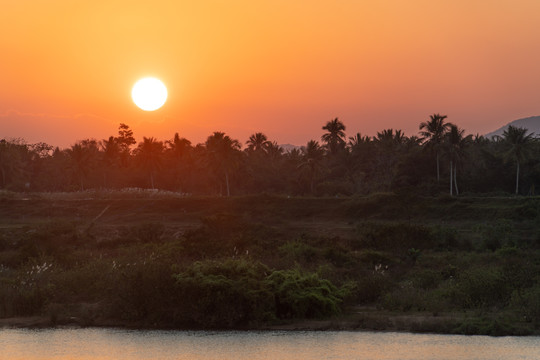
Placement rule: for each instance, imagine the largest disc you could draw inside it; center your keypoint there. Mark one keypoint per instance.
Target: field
(156, 259)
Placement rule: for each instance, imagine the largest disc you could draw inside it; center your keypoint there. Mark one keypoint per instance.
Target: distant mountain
(531, 123)
(289, 147)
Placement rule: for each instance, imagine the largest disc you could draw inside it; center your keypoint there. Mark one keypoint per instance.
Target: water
(105, 344)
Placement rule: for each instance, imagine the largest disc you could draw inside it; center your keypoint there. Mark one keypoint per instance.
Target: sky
(281, 67)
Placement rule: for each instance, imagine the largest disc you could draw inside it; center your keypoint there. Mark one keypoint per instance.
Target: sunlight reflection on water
(105, 344)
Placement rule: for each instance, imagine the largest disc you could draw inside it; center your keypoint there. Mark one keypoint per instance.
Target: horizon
(285, 146)
(283, 69)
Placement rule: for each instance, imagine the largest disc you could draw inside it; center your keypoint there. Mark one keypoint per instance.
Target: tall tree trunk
(517, 178)
(438, 177)
(455, 179)
(451, 188)
(227, 183)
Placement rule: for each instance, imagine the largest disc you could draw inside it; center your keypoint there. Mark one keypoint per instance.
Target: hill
(531, 123)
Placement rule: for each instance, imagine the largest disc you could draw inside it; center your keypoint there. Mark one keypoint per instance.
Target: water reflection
(105, 344)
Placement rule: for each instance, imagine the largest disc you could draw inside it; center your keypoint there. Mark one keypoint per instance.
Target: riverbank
(364, 320)
(384, 262)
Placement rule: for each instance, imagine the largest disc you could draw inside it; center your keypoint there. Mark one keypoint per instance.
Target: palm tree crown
(432, 134)
(334, 139)
(257, 142)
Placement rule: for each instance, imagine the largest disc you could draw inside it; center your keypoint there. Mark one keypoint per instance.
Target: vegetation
(387, 162)
(357, 229)
(453, 265)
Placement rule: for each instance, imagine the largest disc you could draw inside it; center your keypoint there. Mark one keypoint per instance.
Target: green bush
(304, 295)
(142, 291)
(481, 288)
(241, 292)
(223, 294)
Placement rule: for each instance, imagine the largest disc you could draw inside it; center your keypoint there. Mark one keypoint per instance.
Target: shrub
(241, 292)
(143, 292)
(223, 294)
(304, 295)
(480, 288)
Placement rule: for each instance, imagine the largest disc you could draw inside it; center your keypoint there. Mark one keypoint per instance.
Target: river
(118, 344)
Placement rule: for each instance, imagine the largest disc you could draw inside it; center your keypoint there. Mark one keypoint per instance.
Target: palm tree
(387, 155)
(432, 134)
(179, 151)
(111, 155)
(179, 146)
(358, 140)
(518, 143)
(312, 155)
(82, 158)
(257, 142)
(455, 147)
(149, 154)
(334, 139)
(388, 138)
(223, 154)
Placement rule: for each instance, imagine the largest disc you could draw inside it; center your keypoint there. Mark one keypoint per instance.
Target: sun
(149, 93)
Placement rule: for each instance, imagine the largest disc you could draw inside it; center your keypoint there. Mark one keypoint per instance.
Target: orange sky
(283, 67)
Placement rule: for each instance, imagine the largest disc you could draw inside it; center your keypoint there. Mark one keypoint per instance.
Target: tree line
(441, 158)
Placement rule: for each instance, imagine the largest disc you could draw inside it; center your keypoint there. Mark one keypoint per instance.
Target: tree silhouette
(257, 142)
(454, 145)
(334, 138)
(15, 160)
(388, 145)
(83, 157)
(179, 152)
(125, 140)
(312, 156)
(223, 155)
(518, 144)
(358, 140)
(432, 134)
(149, 154)
(389, 161)
(111, 156)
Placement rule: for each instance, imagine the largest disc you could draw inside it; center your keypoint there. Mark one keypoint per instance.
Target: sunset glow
(280, 67)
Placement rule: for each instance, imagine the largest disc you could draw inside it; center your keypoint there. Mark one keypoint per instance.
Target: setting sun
(149, 94)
